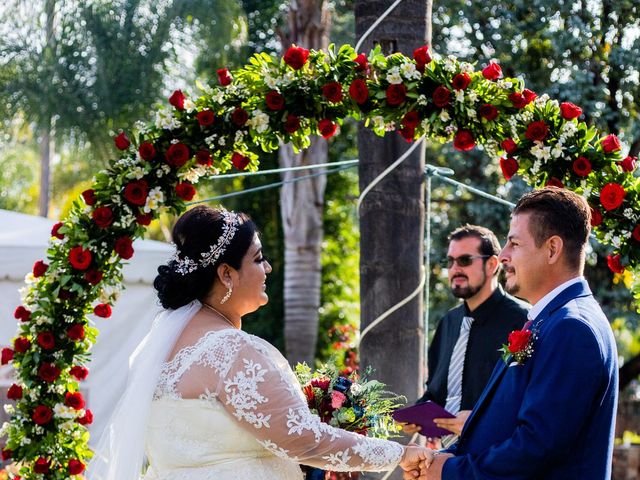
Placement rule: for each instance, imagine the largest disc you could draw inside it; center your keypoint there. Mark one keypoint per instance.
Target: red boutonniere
(519, 346)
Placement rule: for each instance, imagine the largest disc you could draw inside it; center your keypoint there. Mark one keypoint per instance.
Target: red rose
(7, 454)
(103, 216)
(610, 144)
(205, 118)
(614, 262)
(147, 151)
(22, 314)
(177, 99)
(76, 332)
(570, 111)
(224, 77)
(46, 340)
(55, 232)
(441, 96)
(102, 310)
(296, 57)
(518, 100)
(612, 196)
(185, 191)
(79, 258)
(89, 197)
(274, 100)
(39, 268)
(76, 467)
(136, 192)
(74, 400)
(554, 182)
(408, 133)
(332, 91)
(177, 155)
(582, 166)
(239, 116)
(362, 63)
(537, 131)
(6, 356)
(239, 161)
(14, 392)
(327, 128)
(81, 373)
(509, 167)
(121, 141)
(321, 383)
(628, 164)
(492, 71)
(464, 140)
(358, 91)
(41, 465)
(396, 94)
(48, 372)
(203, 157)
(529, 96)
(21, 344)
(518, 340)
(461, 81)
(93, 276)
(87, 419)
(292, 124)
(596, 217)
(636, 233)
(488, 111)
(144, 218)
(65, 294)
(411, 119)
(509, 146)
(124, 247)
(422, 57)
(42, 415)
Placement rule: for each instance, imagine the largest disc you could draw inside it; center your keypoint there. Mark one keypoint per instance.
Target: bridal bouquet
(354, 403)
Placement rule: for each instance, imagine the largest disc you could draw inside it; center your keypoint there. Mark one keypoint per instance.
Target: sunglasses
(462, 260)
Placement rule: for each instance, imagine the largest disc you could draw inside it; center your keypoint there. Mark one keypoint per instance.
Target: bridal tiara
(186, 265)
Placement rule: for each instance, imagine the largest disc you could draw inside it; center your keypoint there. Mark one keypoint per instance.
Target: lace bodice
(240, 395)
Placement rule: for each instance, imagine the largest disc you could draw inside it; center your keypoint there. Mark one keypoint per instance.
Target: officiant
(464, 349)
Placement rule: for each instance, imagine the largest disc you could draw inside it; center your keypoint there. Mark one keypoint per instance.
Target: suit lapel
(578, 289)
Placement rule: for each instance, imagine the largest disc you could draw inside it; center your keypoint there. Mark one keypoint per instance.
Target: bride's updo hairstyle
(224, 235)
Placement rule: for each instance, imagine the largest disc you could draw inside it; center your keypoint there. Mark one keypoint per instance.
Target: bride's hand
(415, 456)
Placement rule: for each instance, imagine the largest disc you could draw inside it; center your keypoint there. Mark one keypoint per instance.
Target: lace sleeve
(261, 392)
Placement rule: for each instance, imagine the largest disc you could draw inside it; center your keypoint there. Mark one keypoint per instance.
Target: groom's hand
(433, 469)
(454, 425)
(413, 461)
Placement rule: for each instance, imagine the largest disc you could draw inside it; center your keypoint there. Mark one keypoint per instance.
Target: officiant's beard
(468, 291)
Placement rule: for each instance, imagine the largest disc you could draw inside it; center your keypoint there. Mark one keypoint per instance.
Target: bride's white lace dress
(229, 407)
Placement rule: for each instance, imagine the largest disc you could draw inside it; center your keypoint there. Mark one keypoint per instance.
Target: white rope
(398, 305)
(376, 23)
(387, 171)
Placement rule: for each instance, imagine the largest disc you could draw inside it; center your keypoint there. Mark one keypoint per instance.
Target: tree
(302, 204)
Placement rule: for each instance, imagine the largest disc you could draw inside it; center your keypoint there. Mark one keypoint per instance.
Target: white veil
(120, 451)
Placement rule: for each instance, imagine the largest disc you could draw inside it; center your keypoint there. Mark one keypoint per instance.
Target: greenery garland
(252, 111)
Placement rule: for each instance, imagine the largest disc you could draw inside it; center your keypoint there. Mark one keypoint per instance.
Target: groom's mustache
(508, 269)
(459, 275)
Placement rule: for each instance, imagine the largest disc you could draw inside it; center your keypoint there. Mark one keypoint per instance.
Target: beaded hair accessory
(186, 265)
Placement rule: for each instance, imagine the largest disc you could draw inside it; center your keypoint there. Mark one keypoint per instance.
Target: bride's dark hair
(194, 233)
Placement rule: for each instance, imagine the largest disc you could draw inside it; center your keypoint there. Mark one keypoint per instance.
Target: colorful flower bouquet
(354, 403)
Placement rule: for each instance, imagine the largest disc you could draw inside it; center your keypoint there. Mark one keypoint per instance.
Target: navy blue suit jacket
(553, 417)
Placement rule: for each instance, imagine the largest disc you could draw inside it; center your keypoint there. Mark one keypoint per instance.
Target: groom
(548, 412)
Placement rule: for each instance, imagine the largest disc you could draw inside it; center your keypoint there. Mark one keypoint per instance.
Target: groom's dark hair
(561, 212)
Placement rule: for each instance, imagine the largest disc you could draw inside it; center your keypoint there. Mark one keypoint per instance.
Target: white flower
(269, 81)
(628, 213)
(504, 84)
(189, 106)
(472, 96)
(165, 120)
(211, 140)
(355, 388)
(569, 129)
(62, 411)
(541, 101)
(154, 200)
(286, 79)
(9, 409)
(557, 150)
(459, 95)
(444, 116)
(450, 129)
(422, 100)
(616, 241)
(466, 67)
(394, 76)
(137, 173)
(450, 64)
(389, 127)
(218, 96)
(222, 142)
(25, 441)
(409, 71)
(378, 122)
(193, 175)
(471, 112)
(535, 168)
(259, 122)
(540, 151)
(239, 136)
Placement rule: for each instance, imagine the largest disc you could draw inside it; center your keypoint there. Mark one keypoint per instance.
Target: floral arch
(251, 111)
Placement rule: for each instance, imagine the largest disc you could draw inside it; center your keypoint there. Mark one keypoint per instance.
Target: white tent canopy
(24, 240)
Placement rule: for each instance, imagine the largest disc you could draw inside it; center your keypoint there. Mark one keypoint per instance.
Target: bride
(207, 401)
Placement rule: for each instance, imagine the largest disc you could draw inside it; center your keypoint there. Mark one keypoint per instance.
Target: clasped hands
(416, 463)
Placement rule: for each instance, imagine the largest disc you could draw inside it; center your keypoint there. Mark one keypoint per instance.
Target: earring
(227, 295)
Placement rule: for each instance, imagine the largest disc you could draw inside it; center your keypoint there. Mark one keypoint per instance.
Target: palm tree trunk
(45, 141)
(302, 205)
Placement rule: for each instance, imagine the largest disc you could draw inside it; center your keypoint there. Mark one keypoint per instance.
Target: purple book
(422, 415)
